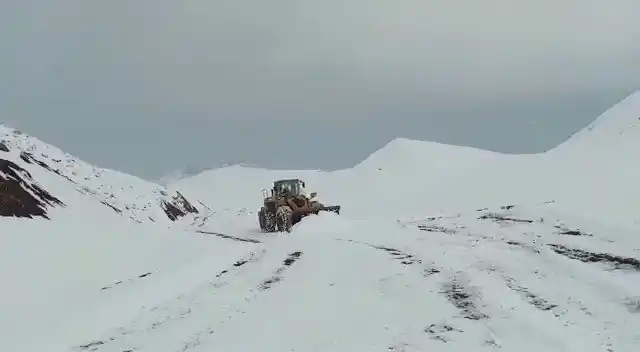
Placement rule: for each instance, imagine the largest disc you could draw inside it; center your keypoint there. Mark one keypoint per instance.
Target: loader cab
(293, 187)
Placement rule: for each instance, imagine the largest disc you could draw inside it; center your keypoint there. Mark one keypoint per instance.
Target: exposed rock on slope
(178, 207)
(130, 196)
(20, 195)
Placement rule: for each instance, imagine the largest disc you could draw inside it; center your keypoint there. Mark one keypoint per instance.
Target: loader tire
(284, 218)
(269, 222)
(261, 219)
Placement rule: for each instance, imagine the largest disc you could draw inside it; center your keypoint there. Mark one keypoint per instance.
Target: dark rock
(112, 207)
(3, 146)
(20, 195)
(29, 158)
(178, 207)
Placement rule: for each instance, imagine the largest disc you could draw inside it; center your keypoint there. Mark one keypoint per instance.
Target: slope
(62, 242)
(85, 271)
(616, 130)
(595, 171)
(132, 197)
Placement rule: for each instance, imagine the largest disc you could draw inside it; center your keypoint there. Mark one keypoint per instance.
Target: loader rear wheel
(284, 218)
(261, 219)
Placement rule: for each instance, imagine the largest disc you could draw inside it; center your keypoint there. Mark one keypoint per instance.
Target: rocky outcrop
(178, 207)
(20, 195)
(132, 197)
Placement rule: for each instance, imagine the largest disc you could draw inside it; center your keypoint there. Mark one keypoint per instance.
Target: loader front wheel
(284, 218)
(267, 221)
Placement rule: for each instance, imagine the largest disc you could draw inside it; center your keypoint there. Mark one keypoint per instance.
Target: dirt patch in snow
(615, 261)
(463, 298)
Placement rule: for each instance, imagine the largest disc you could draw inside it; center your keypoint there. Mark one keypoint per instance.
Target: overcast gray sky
(149, 86)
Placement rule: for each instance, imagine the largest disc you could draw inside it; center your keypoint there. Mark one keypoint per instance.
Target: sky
(150, 86)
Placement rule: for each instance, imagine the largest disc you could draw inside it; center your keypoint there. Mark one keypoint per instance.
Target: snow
(438, 248)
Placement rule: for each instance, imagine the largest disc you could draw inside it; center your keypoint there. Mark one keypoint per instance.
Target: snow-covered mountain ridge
(616, 131)
(130, 196)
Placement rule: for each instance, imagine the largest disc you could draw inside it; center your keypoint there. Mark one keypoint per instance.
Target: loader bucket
(297, 216)
(331, 208)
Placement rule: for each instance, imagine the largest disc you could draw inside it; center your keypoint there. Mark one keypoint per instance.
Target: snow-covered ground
(438, 248)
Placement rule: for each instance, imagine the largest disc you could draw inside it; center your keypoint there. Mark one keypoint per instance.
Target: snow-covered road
(470, 282)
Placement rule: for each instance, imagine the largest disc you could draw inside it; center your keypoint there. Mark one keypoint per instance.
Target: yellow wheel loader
(286, 205)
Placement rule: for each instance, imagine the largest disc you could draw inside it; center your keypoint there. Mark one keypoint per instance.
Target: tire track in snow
(224, 298)
(175, 309)
(199, 337)
(533, 240)
(496, 278)
(571, 305)
(229, 237)
(455, 289)
(131, 279)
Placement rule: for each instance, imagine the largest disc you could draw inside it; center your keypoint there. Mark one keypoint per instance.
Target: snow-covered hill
(403, 177)
(176, 175)
(595, 171)
(617, 130)
(439, 248)
(130, 196)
